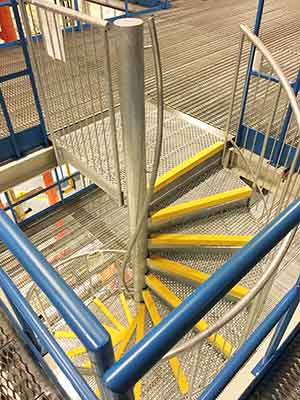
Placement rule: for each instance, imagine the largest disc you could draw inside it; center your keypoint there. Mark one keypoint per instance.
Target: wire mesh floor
(199, 43)
(21, 379)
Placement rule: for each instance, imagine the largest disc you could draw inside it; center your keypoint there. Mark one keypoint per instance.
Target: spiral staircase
(202, 211)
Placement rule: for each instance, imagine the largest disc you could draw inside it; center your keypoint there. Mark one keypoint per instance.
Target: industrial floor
(199, 44)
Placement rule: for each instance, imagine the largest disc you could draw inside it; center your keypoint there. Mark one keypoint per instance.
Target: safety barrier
(76, 315)
(72, 62)
(143, 356)
(280, 317)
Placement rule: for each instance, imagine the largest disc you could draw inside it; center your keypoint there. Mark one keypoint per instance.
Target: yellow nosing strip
(126, 308)
(187, 165)
(77, 351)
(184, 271)
(109, 315)
(174, 362)
(186, 239)
(140, 329)
(165, 293)
(65, 335)
(98, 393)
(123, 344)
(181, 210)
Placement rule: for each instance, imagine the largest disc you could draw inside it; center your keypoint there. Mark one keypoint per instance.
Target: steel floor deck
(21, 378)
(199, 41)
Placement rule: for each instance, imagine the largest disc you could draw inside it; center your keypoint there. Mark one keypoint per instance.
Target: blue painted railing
(278, 152)
(280, 315)
(144, 355)
(18, 144)
(30, 323)
(78, 317)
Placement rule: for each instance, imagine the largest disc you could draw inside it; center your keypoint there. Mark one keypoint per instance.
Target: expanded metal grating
(20, 377)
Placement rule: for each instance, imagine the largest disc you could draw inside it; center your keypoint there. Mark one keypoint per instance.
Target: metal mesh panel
(20, 378)
(20, 104)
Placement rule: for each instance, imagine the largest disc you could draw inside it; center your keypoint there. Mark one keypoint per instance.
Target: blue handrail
(144, 355)
(79, 318)
(243, 354)
(44, 337)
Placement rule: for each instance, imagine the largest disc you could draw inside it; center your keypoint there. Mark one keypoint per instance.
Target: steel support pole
(130, 41)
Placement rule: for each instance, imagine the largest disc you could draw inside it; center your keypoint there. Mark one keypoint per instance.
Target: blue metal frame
(145, 354)
(16, 145)
(279, 313)
(27, 326)
(277, 157)
(76, 315)
(153, 5)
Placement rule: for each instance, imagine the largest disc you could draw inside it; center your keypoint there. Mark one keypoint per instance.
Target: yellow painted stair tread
(165, 293)
(109, 315)
(126, 308)
(127, 336)
(180, 210)
(198, 239)
(140, 330)
(65, 335)
(77, 351)
(184, 271)
(187, 165)
(174, 362)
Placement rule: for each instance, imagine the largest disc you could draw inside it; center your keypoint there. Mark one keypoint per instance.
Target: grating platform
(198, 62)
(20, 377)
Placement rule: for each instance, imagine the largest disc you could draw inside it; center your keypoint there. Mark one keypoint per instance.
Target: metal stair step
(194, 242)
(201, 207)
(184, 273)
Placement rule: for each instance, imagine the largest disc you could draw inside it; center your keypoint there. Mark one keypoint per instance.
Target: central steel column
(130, 44)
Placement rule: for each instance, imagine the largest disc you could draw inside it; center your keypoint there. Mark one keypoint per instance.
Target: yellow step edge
(77, 351)
(65, 335)
(126, 308)
(187, 165)
(177, 371)
(109, 315)
(140, 330)
(165, 293)
(191, 274)
(98, 393)
(186, 239)
(123, 344)
(181, 210)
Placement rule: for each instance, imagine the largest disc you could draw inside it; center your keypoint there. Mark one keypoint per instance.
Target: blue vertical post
(126, 8)
(256, 31)
(286, 123)
(23, 43)
(61, 193)
(281, 327)
(11, 207)
(9, 125)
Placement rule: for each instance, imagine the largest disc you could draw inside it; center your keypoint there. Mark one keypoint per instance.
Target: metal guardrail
(144, 355)
(32, 324)
(280, 316)
(79, 318)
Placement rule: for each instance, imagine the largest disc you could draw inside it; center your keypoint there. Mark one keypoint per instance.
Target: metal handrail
(45, 338)
(284, 309)
(240, 305)
(68, 12)
(145, 354)
(80, 319)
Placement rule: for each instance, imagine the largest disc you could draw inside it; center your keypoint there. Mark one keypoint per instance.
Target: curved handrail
(145, 354)
(277, 69)
(239, 306)
(242, 304)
